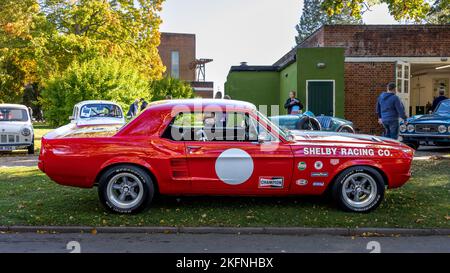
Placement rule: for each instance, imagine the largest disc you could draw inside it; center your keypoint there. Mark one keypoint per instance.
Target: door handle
(192, 148)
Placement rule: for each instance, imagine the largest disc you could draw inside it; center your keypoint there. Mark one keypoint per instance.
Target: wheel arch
(367, 166)
(145, 167)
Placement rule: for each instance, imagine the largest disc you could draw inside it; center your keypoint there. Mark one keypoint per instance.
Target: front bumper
(14, 146)
(426, 137)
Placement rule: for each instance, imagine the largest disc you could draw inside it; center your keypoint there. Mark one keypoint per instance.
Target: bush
(98, 79)
(175, 88)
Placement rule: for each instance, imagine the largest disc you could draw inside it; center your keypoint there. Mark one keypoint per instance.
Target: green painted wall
(288, 83)
(272, 88)
(259, 88)
(307, 60)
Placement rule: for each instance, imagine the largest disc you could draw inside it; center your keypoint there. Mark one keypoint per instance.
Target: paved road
(18, 161)
(215, 243)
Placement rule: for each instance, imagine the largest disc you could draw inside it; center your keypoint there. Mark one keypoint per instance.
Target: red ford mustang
(222, 147)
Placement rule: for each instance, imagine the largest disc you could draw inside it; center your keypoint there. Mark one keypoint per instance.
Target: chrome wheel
(359, 190)
(125, 190)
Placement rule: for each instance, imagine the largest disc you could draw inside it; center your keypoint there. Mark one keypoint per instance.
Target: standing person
(438, 99)
(143, 104)
(389, 110)
(134, 109)
(293, 104)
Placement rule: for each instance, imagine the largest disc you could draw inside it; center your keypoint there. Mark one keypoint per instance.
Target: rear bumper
(398, 180)
(41, 165)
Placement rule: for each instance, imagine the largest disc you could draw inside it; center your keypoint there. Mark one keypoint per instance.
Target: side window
(258, 131)
(216, 126)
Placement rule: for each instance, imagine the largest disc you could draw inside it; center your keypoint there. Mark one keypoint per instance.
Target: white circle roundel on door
(234, 166)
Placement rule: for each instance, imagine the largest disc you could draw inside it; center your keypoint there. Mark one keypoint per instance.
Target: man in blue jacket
(389, 110)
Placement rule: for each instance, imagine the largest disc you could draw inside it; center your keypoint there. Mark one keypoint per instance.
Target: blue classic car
(432, 129)
(308, 121)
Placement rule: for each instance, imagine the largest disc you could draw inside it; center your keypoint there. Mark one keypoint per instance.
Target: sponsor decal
(269, 182)
(301, 166)
(322, 174)
(318, 165)
(318, 184)
(346, 151)
(301, 182)
(334, 162)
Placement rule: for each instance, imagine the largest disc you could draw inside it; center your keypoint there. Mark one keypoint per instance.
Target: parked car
(308, 121)
(223, 147)
(93, 117)
(432, 129)
(97, 112)
(16, 128)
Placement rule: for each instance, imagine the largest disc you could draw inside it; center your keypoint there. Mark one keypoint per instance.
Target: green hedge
(98, 79)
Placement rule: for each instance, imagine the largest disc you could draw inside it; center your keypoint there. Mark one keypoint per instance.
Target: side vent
(179, 168)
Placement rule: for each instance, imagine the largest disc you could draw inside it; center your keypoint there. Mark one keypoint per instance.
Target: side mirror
(71, 118)
(290, 136)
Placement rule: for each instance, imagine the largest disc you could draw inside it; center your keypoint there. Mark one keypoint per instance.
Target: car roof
(193, 104)
(96, 102)
(10, 105)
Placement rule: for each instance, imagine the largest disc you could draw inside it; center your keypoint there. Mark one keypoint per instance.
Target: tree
(21, 29)
(415, 10)
(100, 78)
(313, 17)
(41, 39)
(121, 28)
(439, 12)
(175, 88)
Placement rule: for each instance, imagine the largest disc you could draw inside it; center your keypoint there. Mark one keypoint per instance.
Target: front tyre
(359, 189)
(31, 148)
(126, 189)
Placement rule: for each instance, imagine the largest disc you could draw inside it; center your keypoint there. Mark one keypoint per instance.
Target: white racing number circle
(234, 166)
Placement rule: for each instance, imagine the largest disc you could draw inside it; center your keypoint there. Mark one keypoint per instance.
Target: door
(403, 75)
(229, 159)
(320, 97)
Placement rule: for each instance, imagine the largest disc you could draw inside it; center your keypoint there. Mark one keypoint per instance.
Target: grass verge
(28, 197)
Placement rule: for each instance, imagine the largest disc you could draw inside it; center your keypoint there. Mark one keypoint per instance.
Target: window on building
(175, 65)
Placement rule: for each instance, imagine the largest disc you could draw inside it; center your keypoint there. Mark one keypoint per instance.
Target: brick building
(178, 54)
(347, 66)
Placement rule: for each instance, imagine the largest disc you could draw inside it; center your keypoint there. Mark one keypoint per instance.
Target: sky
(233, 31)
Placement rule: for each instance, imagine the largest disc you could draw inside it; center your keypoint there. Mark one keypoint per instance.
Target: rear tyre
(126, 189)
(359, 189)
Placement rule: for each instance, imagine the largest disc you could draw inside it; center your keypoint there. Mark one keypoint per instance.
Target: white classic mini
(16, 129)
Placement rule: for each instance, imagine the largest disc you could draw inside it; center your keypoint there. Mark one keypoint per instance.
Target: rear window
(13, 114)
